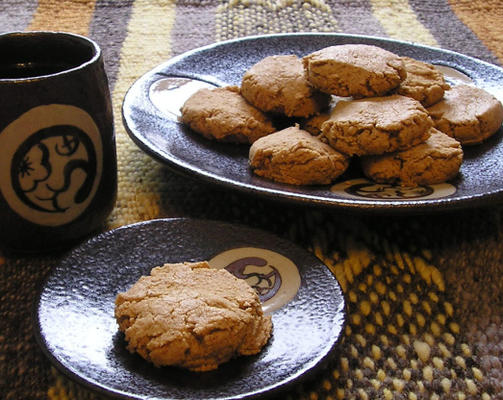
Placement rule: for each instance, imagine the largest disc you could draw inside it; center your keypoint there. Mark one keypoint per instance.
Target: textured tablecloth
(424, 293)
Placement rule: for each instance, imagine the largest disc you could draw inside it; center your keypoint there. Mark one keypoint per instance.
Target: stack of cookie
(396, 115)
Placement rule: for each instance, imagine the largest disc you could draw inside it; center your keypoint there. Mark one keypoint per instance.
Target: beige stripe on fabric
(147, 44)
(238, 18)
(63, 15)
(400, 22)
(473, 13)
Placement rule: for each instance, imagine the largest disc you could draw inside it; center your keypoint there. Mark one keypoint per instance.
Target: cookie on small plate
(277, 84)
(222, 114)
(437, 160)
(192, 316)
(377, 125)
(294, 156)
(468, 114)
(354, 70)
(424, 82)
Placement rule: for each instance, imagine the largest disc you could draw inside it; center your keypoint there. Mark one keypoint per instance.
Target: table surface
(424, 293)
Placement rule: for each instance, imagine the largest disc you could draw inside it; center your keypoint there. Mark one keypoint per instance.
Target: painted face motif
(274, 277)
(385, 191)
(261, 276)
(54, 169)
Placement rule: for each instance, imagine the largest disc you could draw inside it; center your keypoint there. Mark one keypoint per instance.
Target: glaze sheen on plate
(151, 105)
(76, 328)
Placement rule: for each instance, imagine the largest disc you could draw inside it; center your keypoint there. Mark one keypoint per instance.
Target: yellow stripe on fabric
(67, 16)
(473, 13)
(147, 44)
(399, 318)
(400, 22)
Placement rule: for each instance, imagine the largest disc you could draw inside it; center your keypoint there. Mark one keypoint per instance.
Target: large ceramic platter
(76, 328)
(151, 111)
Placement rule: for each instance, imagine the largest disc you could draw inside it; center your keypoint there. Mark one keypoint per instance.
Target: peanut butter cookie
(296, 157)
(424, 82)
(377, 125)
(436, 160)
(277, 84)
(313, 124)
(355, 70)
(192, 316)
(224, 115)
(468, 114)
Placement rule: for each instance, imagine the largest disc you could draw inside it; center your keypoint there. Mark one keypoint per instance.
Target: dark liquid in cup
(33, 55)
(31, 70)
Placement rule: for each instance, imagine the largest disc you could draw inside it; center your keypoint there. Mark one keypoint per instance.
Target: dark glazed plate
(152, 104)
(76, 328)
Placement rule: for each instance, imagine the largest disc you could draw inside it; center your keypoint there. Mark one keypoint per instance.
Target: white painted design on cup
(51, 164)
(363, 188)
(274, 277)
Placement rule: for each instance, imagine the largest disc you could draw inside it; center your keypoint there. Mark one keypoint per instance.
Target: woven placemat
(424, 293)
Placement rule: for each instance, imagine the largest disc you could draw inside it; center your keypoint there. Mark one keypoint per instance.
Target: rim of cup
(12, 42)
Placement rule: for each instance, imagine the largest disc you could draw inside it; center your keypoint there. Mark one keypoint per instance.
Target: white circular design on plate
(453, 75)
(274, 277)
(363, 188)
(51, 164)
(169, 94)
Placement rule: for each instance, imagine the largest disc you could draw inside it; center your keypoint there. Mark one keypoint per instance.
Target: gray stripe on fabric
(449, 31)
(355, 17)
(109, 29)
(16, 15)
(194, 27)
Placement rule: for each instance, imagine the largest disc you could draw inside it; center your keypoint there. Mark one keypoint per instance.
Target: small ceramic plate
(77, 330)
(151, 111)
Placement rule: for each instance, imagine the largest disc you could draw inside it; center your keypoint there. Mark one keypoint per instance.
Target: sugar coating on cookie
(277, 84)
(296, 157)
(424, 82)
(354, 70)
(437, 160)
(377, 125)
(223, 114)
(192, 316)
(468, 114)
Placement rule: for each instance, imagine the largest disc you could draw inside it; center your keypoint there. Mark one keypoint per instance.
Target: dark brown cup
(58, 165)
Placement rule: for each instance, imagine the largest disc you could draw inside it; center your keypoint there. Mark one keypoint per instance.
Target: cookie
(436, 160)
(222, 114)
(192, 316)
(468, 114)
(277, 84)
(313, 124)
(296, 157)
(377, 125)
(424, 82)
(355, 70)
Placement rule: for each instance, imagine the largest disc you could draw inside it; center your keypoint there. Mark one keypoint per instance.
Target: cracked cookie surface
(223, 114)
(424, 82)
(436, 160)
(376, 125)
(468, 114)
(192, 316)
(277, 84)
(354, 70)
(294, 156)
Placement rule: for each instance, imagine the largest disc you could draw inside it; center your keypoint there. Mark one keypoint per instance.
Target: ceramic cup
(58, 168)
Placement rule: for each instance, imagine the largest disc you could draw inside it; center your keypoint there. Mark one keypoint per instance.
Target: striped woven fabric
(424, 293)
